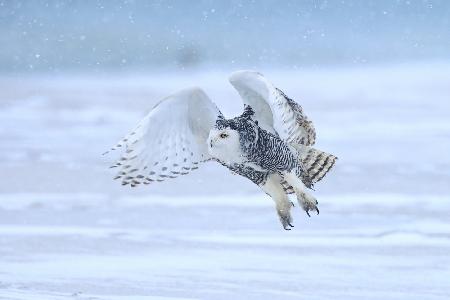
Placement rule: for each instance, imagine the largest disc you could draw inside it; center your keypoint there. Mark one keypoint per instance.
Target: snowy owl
(270, 143)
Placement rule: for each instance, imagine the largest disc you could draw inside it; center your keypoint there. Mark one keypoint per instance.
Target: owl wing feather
(274, 111)
(281, 115)
(170, 141)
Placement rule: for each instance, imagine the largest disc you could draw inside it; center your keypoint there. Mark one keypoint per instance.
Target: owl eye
(223, 135)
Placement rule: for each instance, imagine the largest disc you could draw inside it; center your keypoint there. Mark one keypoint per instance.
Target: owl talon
(308, 203)
(286, 220)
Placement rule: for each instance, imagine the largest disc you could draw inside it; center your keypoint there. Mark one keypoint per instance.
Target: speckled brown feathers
(316, 163)
(308, 137)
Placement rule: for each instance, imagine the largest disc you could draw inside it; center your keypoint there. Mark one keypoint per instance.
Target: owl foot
(305, 200)
(308, 203)
(285, 219)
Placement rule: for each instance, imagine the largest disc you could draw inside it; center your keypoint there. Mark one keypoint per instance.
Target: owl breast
(268, 152)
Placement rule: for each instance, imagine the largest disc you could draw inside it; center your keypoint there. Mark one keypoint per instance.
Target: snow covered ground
(68, 231)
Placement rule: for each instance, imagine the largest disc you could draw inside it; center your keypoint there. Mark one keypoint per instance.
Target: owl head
(227, 139)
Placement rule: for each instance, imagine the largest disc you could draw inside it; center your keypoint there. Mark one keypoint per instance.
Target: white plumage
(274, 111)
(269, 143)
(170, 141)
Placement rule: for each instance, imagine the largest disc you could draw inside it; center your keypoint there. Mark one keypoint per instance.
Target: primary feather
(170, 141)
(274, 111)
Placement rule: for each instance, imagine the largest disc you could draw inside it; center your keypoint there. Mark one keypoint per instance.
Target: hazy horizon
(85, 36)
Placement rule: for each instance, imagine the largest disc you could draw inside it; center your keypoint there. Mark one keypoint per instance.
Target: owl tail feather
(316, 163)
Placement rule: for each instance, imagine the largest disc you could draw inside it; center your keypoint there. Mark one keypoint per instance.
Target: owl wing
(274, 111)
(170, 141)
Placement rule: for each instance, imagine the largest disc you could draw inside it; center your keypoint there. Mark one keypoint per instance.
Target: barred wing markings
(281, 115)
(274, 111)
(316, 162)
(170, 141)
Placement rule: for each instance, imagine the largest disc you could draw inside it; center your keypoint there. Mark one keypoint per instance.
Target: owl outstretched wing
(274, 111)
(281, 115)
(170, 141)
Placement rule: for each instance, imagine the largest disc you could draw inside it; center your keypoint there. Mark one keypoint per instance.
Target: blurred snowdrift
(389, 126)
(68, 231)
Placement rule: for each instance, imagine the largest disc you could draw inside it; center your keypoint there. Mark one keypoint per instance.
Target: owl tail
(315, 162)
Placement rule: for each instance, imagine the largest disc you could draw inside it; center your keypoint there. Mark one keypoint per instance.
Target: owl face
(223, 144)
(228, 137)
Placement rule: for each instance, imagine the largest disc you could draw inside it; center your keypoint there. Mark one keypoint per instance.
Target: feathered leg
(306, 201)
(274, 189)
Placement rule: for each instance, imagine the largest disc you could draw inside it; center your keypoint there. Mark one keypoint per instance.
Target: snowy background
(75, 76)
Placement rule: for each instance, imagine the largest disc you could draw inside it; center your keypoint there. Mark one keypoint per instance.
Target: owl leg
(274, 189)
(306, 201)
